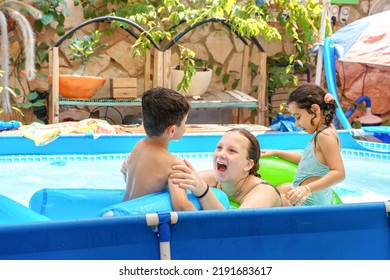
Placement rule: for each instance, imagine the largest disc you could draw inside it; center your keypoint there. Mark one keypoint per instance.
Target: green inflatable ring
(278, 171)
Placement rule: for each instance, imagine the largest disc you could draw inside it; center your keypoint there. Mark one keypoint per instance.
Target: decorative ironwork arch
(223, 21)
(108, 19)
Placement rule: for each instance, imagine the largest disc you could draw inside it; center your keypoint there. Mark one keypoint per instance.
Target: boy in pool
(146, 169)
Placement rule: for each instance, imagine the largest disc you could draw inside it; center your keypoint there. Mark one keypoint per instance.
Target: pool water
(366, 181)
(367, 176)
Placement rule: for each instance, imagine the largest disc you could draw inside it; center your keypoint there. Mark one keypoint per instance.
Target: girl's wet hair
(253, 151)
(308, 94)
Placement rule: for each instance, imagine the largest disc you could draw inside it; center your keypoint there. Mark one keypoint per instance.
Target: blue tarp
(284, 123)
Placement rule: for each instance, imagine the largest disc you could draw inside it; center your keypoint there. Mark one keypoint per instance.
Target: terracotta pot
(79, 87)
(199, 83)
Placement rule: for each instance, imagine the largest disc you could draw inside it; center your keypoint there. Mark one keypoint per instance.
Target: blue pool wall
(119, 143)
(348, 232)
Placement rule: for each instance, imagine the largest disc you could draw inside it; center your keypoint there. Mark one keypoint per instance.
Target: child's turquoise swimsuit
(309, 166)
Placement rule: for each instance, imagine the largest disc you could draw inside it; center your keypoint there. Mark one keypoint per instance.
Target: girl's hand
(124, 166)
(298, 195)
(267, 153)
(185, 176)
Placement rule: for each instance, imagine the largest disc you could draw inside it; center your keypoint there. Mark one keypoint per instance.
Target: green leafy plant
(85, 49)
(41, 56)
(36, 102)
(299, 23)
(187, 58)
(53, 12)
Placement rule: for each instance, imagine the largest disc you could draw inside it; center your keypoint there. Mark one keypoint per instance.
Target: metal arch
(108, 19)
(223, 21)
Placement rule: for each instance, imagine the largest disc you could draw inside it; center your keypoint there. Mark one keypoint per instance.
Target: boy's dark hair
(308, 94)
(162, 107)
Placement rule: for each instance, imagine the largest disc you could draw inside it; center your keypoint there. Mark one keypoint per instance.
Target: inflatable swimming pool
(360, 230)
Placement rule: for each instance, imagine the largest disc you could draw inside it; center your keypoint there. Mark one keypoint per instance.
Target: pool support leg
(163, 222)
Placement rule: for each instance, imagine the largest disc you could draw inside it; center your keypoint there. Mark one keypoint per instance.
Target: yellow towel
(43, 134)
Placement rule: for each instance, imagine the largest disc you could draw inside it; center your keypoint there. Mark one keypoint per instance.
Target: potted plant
(78, 86)
(197, 81)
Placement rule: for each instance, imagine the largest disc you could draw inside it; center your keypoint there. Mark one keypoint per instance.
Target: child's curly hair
(308, 94)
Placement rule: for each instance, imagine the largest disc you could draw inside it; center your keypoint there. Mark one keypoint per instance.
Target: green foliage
(85, 49)
(163, 19)
(41, 54)
(282, 75)
(300, 24)
(54, 11)
(33, 95)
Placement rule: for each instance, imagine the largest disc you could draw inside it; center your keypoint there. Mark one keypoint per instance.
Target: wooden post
(147, 71)
(167, 69)
(54, 71)
(244, 69)
(261, 96)
(158, 68)
(244, 80)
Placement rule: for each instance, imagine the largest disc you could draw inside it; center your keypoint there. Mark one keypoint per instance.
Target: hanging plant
(12, 9)
(2, 89)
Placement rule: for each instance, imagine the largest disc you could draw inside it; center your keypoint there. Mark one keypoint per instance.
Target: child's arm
(329, 147)
(185, 176)
(179, 198)
(289, 156)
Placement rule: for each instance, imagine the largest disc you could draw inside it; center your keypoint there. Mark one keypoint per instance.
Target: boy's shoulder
(145, 149)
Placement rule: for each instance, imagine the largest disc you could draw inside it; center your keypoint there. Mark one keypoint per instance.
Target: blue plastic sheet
(284, 123)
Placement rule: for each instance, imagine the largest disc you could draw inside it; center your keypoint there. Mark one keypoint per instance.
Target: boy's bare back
(148, 168)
